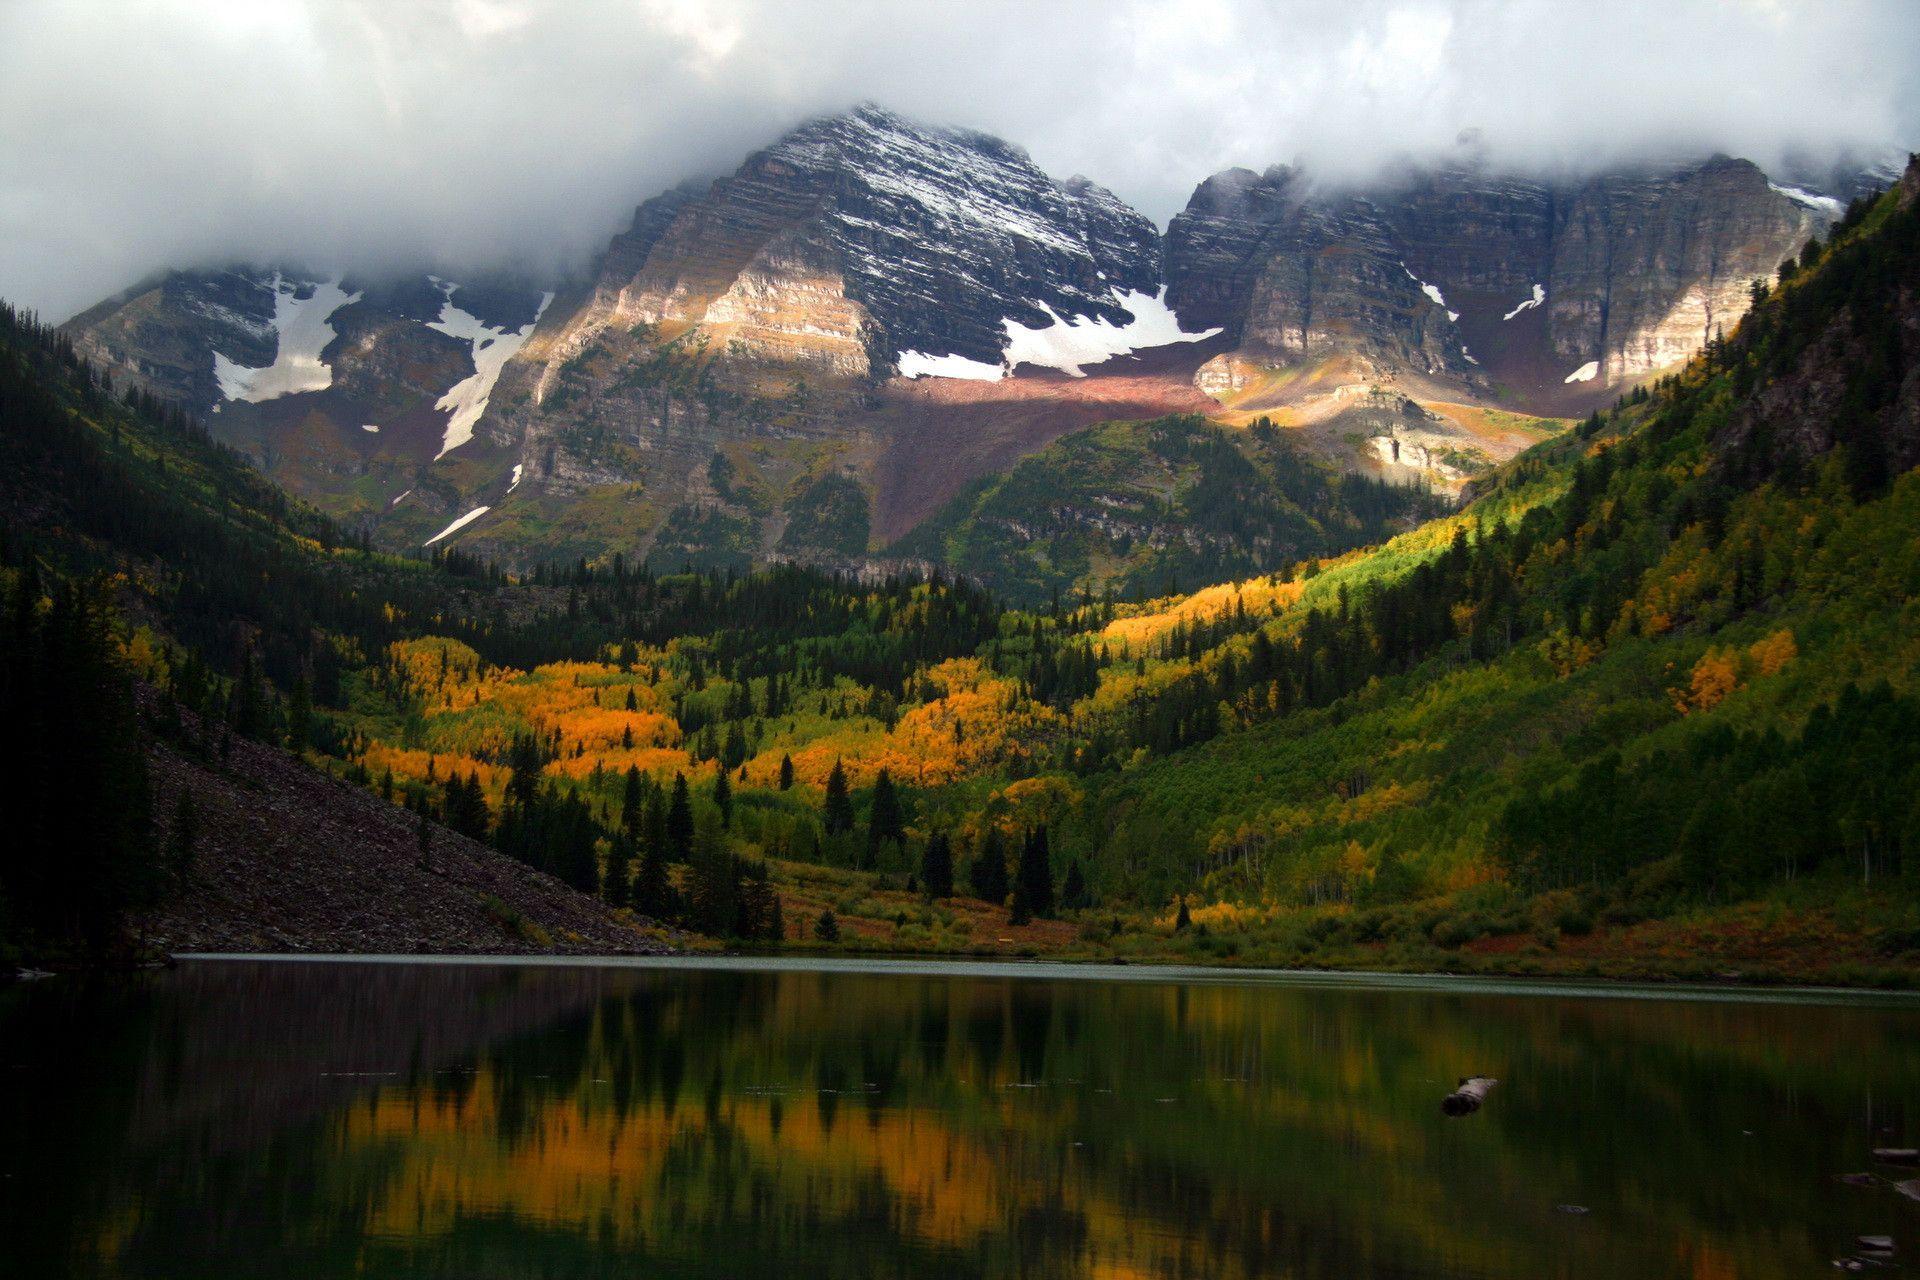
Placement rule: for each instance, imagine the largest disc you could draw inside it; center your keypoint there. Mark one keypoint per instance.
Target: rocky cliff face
(1296, 275)
(1482, 279)
(339, 388)
(861, 236)
(716, 368)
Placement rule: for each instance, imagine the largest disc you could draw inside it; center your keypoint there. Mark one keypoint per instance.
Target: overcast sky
(375, 133)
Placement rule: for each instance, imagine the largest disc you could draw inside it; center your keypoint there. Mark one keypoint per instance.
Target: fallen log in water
(1897, 1155)
(1910, 1188)
(1467, 1098)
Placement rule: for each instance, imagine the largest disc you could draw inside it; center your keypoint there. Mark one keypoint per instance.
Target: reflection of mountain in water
(473, 1121)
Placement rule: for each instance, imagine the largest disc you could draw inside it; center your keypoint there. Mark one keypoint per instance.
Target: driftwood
(1897, 1155)
(1910, 1188)
(1466, 1100)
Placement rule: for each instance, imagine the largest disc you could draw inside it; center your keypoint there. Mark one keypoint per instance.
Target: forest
(1654, 680)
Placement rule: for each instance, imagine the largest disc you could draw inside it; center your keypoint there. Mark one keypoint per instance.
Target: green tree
(713, 891)
(837, 811)
(679, 826)
(886, 823)
(988, 873)
(723, 797)
(1033, 883)
(614, 883)
(786, 773)
(826, 928)
(936, 866)
(1073, 894)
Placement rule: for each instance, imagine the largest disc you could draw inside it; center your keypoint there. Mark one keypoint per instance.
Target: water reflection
(236, 1119)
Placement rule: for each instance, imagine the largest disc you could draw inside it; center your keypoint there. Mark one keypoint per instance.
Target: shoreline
(1358, 980)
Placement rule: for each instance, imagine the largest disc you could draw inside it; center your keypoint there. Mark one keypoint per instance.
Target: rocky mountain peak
(1556, 288)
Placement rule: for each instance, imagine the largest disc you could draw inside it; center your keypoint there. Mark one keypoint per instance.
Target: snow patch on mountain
(1539, 296)
(1585, 373)
(301, 332)
(456, 526)
(1800, 195)
(1431, 290)
(1068, 344)
(491, 349)
(518, 467)
(917, 364)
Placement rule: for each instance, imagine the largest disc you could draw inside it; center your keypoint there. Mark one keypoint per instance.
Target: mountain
(1545, 296)
(342, 390)
(870, 318)
(729, 358)
(1644, 704)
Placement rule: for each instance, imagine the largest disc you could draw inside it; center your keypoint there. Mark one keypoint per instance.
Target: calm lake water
(311, 1119)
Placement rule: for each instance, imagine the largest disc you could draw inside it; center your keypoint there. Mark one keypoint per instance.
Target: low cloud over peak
(467, 133)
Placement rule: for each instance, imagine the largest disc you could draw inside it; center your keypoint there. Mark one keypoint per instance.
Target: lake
(770, 1118)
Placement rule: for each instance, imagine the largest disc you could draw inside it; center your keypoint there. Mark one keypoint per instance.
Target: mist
(469, 134)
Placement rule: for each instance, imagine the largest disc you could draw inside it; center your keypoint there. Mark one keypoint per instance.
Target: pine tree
(1182, 920)
(652, 892)
(936, 866)
(838, 808)
(723, 798)
(680, 821)
(614, 884)
(633, 802)
(712, 882)
(1073, 895)
(988, 874)
(885, 822)
(826, 928)
(786, 773)
(1033, 884)
(523, 764)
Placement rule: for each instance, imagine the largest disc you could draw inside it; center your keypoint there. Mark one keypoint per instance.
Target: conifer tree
(712, 881)
(838, 808)
(1033, 884)
(1073, 894)
(988, 874)
(633, 803)
(679, 824)
(885, 822)
(723, 798)
(615, 880)
(786, 773)
(936, 866)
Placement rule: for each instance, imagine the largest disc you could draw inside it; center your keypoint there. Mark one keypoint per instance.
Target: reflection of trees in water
(1000, 1124)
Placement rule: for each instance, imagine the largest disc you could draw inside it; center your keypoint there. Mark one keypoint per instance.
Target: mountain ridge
(823, 314)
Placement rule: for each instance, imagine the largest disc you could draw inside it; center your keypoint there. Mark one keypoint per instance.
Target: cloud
(465, 133)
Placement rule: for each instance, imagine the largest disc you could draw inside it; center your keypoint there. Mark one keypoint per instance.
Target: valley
(1324, 664)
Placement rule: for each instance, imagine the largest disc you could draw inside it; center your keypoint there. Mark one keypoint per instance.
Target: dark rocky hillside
(287, 859)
